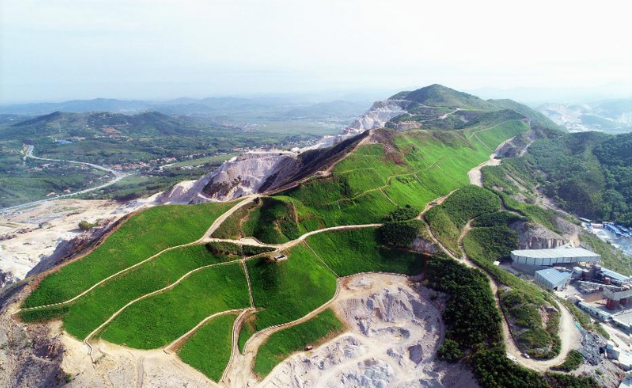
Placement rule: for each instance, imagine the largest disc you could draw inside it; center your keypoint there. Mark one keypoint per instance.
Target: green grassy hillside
(438, 95)
(160, 319)
(142, 235)
(405, 168)
(208, 349)
(282, 344)
(287, 290)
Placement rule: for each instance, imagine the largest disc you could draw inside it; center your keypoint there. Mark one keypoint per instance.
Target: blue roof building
(552, 278)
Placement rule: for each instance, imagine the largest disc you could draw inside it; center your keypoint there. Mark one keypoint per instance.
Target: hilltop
(433, 107)
(437, 106)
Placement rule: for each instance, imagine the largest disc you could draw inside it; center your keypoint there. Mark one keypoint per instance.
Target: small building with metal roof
(552, 278)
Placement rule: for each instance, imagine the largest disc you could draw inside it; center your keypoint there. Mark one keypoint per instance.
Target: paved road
(29, 154)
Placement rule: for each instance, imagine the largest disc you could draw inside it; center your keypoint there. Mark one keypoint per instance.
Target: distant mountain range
(612, 116)
(282, 108)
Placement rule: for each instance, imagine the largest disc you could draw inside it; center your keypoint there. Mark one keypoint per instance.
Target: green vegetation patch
(273, 221)
(561, 380)
(474, 327)
(162, 318)
(209, 348)
(352, 251)
(524, 304)
(573, 360)
(236, 251)
(43, 315)
(90, 311)
(282, 344)
(447, 219)
(406, 169)
(403, 213)
(288, 289)
(470, 315)
(401, 234)
(231, 227)
(142, 235)
(515, 198)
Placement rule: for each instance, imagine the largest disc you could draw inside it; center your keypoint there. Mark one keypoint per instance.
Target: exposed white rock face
(394, 334)
(247, 173)
(239, 176)
(379, 114)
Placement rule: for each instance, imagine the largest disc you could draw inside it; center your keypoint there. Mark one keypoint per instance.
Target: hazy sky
(55, 50)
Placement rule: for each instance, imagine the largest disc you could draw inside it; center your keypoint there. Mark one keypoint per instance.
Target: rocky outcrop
(536, 236)
(425, 246)
(242, 175)
(30, 356)
(254, 172)
(6, 278)
(406, 125)
(380, 113)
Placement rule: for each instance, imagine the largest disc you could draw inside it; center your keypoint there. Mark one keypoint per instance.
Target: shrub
(403, 214)
(85, 225)
(400, 234)
(573, 360)
(449, 351)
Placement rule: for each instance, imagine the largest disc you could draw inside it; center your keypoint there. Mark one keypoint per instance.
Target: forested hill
(109, 138)
(588, 173)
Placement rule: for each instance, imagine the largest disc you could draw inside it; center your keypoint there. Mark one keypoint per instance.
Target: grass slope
(97, 306)
(403, 168)
(287, 290)
(282, 344)
(209, 348)
(348, 252)
(162, 318)
(138, 238)
(448, 219)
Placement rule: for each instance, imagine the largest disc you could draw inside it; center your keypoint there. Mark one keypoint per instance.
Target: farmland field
(142, 235)
(208, 349)
(162, 318)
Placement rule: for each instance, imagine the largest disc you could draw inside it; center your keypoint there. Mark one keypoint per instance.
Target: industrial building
(532, 260)
(552, 278)
(612, 277)
(617, 297)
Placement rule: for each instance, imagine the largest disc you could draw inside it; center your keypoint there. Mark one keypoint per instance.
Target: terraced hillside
(389, 170)
(184, 281)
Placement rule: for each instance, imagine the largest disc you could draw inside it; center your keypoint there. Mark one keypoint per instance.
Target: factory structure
(553, 268)
(603, 293)
(532, 260)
